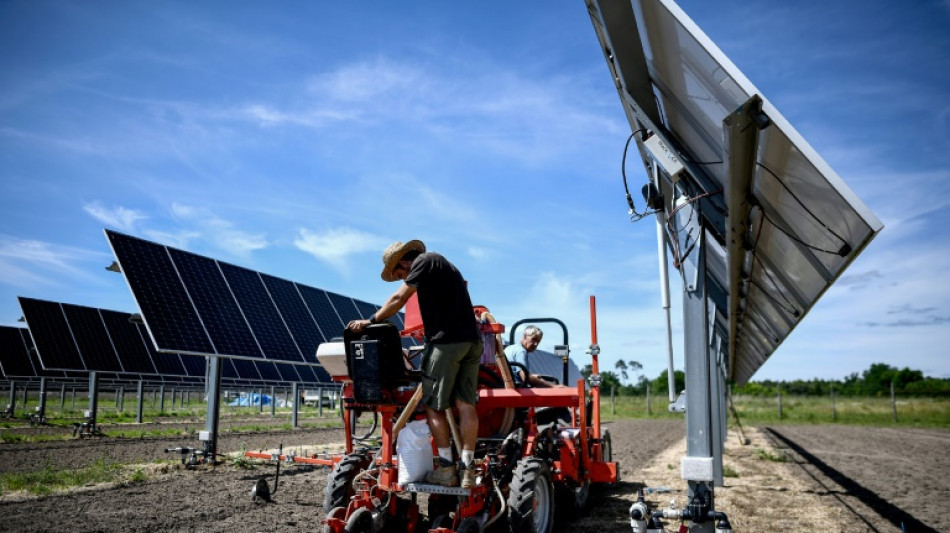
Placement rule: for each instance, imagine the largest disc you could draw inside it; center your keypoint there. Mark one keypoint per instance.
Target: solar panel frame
(756, 177)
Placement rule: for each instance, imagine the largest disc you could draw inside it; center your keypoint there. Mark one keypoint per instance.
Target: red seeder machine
(537, 448)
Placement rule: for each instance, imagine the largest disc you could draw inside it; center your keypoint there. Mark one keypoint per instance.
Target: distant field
(911, 412)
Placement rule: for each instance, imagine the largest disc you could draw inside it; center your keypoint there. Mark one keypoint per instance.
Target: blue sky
(301, 138)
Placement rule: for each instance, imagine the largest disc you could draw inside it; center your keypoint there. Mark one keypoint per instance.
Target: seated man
(518, 353)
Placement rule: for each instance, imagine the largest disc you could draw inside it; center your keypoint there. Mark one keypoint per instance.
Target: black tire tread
(527, 473)
(340, 480)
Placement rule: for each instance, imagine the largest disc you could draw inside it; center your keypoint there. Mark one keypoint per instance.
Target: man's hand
(357, 325)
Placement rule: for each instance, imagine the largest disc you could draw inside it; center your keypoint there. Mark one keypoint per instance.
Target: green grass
(49, 480)
(754, 411)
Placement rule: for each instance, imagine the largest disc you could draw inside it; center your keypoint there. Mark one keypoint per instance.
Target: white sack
(414, 452)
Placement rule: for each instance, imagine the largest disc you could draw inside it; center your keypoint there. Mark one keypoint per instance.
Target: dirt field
(834, 478)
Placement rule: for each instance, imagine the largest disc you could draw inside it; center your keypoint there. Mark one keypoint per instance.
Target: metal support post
(293, 411)
(93, 398)
(273, 402)
(320, 402)
(26, 392)
(213, 414)
(120, 399)
(62, 399)
(161, 399)
(260, 400)
(41, 411)
(697, 467)
(141, 403)
(12, 397)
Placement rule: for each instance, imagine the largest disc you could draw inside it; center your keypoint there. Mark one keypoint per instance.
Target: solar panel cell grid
(307, 336)
(259, 310)
(14, 355)
(220, 315)
(51, 333)
(91, 337)
(344, 307)
(160, 294)
(128, 342)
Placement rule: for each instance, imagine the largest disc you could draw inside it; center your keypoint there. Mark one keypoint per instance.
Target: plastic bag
(414, 452)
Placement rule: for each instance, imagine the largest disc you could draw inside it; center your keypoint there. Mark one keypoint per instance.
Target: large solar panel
(197, 305)
(779, 225)
(17, 356)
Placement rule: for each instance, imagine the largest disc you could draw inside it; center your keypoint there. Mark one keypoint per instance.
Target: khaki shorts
(449, 373)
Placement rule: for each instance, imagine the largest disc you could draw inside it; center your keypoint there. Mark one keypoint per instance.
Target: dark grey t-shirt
(444, 303)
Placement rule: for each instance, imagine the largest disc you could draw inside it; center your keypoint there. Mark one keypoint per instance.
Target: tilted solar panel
(15, 345)
(778, 225)
(200, 306)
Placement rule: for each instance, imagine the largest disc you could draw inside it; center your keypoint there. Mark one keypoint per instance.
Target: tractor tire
(531, 497)
(340, 483)
(443, 520)
(336, 512)
(361, 521)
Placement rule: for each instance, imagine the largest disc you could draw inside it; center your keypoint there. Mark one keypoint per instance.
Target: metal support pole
(893, 402)
(697, 467)
(120, 399)
(834, 414)
(12, 397)
(72, 399)
(649, 410)
(294, 410)
(161, 399)
(26, 392)
(141, 403)
(93, 397)
(42, 399)
(273, 402)
(320, 402)
(213, 414)
(779, 402)
(62, 399)
(260, 400)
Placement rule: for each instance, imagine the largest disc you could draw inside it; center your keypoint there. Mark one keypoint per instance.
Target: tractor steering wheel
(527, 375)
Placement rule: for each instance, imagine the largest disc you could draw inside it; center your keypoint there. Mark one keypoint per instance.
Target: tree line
(627, 379)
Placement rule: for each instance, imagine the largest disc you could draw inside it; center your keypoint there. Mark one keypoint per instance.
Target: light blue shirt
(517, 353)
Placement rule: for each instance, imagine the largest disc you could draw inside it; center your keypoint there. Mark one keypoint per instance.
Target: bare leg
(468, 424)
(439, 426)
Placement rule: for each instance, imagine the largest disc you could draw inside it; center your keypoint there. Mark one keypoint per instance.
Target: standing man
(452, 349)
(518, 353)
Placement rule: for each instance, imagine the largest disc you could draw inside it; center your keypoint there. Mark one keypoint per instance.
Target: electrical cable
(623, 172)
(842, 252)
(845, 249)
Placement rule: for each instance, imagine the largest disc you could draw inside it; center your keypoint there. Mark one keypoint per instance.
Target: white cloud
(118, 217)
(335, 246)
(26, 262)
(218, 231)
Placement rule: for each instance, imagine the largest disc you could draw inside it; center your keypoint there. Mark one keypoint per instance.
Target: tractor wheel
(608, 451)
(336, 512)
(361, 521)
(340, 483)
(572, 499)
(531, 497)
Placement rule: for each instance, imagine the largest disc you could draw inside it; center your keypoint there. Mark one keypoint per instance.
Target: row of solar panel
(198, 305)
(76, 338)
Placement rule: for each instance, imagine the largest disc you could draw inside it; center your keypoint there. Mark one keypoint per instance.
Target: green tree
(621, 367)
(661, 384)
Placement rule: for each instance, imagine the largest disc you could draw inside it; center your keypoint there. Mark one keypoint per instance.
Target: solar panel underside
(805, 225)
(197, 305)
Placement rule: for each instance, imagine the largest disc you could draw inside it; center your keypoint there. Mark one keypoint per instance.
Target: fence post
(649, 410)
(613, 407)
(779, 402)
(834, 414)
(893, 403)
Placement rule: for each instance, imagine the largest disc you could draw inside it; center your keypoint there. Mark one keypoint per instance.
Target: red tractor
(538, 447)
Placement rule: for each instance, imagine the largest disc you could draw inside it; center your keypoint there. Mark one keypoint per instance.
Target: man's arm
(392, 306)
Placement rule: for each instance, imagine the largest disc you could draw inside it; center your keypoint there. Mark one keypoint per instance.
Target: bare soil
(833, 478)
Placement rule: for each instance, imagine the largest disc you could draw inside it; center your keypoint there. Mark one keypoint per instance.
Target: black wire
(796, 239)
(623, 172)
(818, 220)
(792, 311)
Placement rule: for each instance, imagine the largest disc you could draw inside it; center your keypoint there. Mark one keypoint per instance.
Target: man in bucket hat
(452, 352)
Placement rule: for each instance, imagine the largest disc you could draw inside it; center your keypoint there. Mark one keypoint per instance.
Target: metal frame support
(161, 399)
(141, 403)
(41, 408)
(213, 414)
(296, 405)
(696, 467)
(93, 398)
